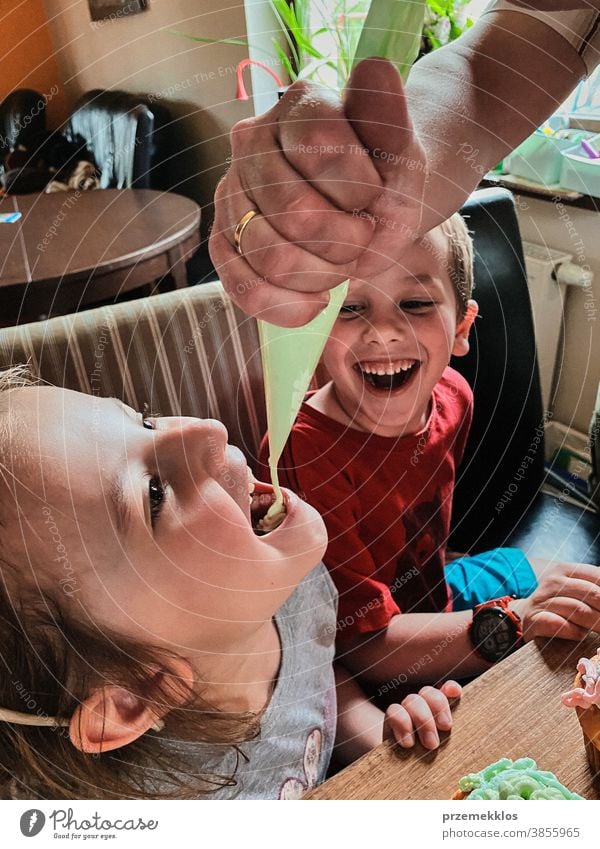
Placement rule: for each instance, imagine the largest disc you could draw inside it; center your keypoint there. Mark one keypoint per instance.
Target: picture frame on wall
(100, 10)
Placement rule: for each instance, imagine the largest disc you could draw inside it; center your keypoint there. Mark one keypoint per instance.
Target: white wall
(575, 231)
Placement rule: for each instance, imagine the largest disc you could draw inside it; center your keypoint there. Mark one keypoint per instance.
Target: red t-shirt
(386, 502)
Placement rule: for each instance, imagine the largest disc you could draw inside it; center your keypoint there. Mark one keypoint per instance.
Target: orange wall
(27, 56)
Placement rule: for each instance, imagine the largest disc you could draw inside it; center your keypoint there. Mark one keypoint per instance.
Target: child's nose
(384, 330)
(195, 444)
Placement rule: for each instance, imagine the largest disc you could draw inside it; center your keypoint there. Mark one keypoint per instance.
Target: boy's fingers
(575, 587)
(546, 623)
(438, 704)
(451, 689)
(582, 571)
(572, 610)
(398, 724)
(422, 717)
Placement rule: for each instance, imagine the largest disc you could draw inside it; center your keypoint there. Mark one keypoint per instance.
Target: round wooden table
(72, 250)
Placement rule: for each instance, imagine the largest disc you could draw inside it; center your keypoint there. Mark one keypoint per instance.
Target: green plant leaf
(310, 69)
(285, 61)
(239, 41)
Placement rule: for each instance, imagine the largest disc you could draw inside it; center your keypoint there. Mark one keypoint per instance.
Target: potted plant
(323, 41)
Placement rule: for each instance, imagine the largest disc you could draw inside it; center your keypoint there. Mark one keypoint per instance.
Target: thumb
(376, 107)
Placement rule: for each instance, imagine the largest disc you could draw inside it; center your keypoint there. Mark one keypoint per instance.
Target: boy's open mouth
(387, 376)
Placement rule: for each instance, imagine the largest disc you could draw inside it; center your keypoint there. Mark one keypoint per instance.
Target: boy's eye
(156, 497)
(416, 305)
(350, 310)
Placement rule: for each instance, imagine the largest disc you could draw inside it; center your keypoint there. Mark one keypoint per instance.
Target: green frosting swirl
(520, 779)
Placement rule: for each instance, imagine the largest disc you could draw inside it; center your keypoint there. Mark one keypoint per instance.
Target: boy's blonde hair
(51, 659)
(460, 259)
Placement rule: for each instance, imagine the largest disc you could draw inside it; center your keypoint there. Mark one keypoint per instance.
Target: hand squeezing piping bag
(289, 358)
(393, 31)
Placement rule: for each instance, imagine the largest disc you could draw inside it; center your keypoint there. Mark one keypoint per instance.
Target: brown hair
(50, 661)
(460, 259)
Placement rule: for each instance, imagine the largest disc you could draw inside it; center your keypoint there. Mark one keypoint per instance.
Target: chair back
(503, 467)
(117, 128)
(22, 112)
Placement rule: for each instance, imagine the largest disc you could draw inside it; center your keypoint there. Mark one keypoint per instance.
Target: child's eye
(350, 310)
(156, 497)
(416, 305)
(149, 418)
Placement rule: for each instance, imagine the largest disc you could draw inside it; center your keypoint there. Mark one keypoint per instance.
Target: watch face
(494, 633)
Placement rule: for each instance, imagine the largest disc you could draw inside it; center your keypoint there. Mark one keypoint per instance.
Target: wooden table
(74, 249)
(513, 710)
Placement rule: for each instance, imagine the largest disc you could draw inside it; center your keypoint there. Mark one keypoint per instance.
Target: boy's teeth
(387, 368)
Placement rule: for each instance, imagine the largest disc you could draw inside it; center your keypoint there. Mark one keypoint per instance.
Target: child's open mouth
(262, 496)
(387, 376)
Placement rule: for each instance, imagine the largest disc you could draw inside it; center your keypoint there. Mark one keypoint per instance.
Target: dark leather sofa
(498, 498)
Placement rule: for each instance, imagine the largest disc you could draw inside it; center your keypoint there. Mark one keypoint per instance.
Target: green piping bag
(392, 30)
(289, 357)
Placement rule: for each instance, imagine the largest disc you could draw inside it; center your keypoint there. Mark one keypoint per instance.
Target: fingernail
(444, 720)
(430, 740)
(407, 741)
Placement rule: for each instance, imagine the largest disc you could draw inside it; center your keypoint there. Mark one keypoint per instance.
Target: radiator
(550, 272)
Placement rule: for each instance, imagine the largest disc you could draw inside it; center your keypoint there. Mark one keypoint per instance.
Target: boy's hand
(425, 713)
(566, 603)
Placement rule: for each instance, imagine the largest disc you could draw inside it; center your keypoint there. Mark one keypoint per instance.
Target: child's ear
(111, 716)
(461, 337)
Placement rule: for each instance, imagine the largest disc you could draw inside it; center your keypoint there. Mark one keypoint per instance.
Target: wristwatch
(495, 630)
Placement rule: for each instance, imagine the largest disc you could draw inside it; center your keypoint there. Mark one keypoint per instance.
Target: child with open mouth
(155, 644)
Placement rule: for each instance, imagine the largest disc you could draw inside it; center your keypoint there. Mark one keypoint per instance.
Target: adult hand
(424, 713)
(338, 188)
(566, 603)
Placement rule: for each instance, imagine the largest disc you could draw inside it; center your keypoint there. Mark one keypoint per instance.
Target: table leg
(177, 267)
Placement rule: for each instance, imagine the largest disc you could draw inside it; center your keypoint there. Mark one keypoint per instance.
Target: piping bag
(290, 356)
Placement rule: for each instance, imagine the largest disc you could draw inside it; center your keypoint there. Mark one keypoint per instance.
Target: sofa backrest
(189, 352)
